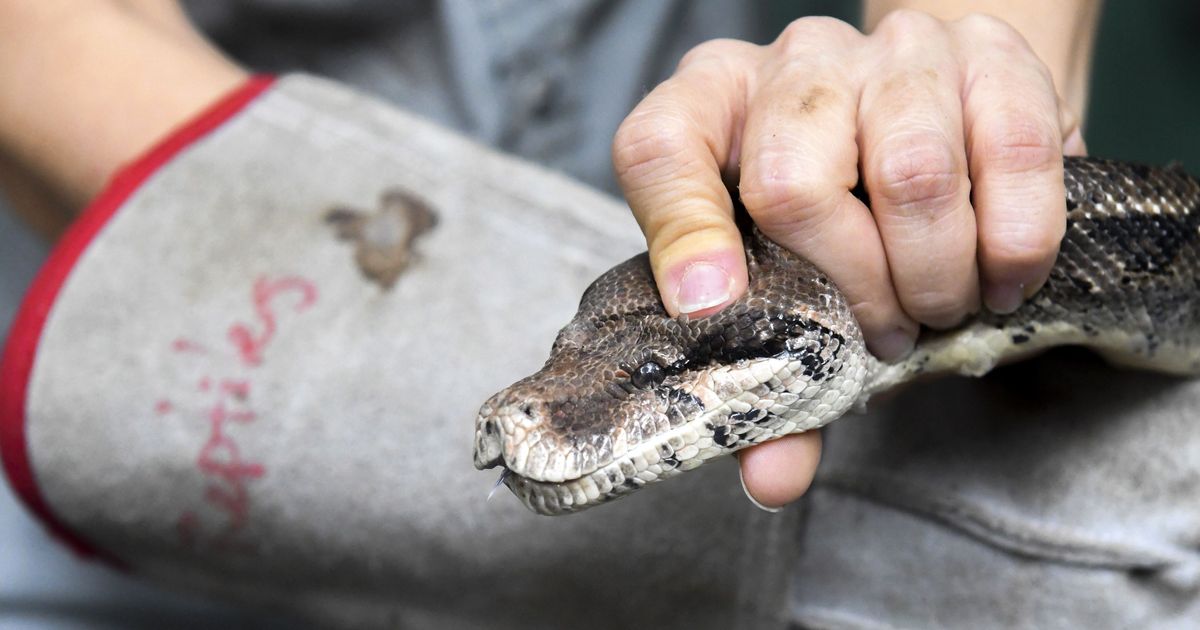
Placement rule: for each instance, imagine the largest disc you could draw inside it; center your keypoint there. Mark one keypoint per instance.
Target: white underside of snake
(630, 396)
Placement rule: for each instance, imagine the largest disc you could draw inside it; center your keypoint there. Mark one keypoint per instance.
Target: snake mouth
(552, 498)
(556, 498)
(683, 448)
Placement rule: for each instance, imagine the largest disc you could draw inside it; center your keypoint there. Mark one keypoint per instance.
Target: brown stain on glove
(384, 239)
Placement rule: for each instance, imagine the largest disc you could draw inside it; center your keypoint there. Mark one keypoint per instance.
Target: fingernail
(894, 345)
(758, 505)
(704, 285)
(1003, 299)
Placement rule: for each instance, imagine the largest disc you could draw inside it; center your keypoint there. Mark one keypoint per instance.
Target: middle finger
(915, 167)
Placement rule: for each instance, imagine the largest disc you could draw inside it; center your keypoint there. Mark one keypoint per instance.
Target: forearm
(88, 86)
(1061, 32)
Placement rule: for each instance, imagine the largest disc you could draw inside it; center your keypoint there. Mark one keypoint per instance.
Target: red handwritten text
(249, 344)
(226, 469)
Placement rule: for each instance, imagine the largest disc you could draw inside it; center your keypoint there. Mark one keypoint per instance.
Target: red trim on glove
(20, 351)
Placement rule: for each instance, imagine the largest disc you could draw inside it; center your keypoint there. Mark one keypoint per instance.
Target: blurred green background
(1145, 101)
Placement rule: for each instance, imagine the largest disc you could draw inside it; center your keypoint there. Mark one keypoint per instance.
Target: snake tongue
(504, 474)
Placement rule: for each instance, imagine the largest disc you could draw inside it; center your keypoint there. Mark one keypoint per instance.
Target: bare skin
(951, 116)
(90, 86)
(938, 111)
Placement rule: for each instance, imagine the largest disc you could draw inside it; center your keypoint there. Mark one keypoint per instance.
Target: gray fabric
(1057, 493)
(548, 81)
(366, 510)
(42, 585)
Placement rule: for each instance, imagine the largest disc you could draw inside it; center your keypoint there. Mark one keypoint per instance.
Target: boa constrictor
(631, 396)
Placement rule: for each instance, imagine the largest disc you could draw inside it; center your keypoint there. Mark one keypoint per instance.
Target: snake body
(631, 396)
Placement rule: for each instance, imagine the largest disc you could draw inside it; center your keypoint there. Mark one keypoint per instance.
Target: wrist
(79, 107)
(1061, 33)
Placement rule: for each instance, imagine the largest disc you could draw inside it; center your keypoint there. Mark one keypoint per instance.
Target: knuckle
(809, 33)
(934, 307)
(994, 31)
(680, 234)
(781, 201)
(907, 22)
(713, 51)
(988, 25)
(920, 174)
(1019, 247)
(676, 211)
(1019, 144)
(648, 140)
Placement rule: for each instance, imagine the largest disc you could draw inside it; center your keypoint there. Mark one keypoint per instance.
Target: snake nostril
(489, 447)
(527, 409)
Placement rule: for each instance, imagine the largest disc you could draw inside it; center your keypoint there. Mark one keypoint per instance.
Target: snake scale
(631, 396)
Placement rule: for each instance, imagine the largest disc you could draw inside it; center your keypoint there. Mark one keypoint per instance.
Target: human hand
(957, 131)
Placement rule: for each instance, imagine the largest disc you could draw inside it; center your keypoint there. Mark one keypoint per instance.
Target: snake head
(631, 395)
(589, 402)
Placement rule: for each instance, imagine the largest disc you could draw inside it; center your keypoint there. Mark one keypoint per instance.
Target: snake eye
(648, 374)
